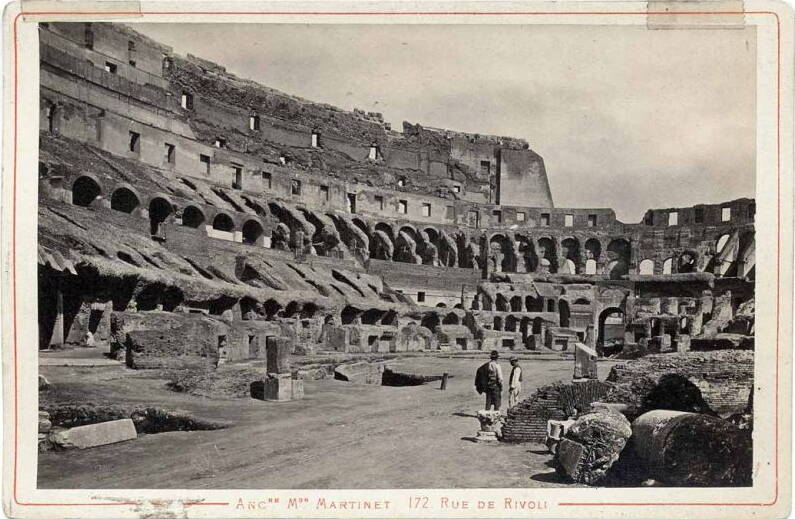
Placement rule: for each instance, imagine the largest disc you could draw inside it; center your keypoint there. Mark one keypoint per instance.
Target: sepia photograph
(406, 255)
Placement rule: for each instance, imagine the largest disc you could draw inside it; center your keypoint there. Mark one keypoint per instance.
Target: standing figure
(514, 383)
(488, 379)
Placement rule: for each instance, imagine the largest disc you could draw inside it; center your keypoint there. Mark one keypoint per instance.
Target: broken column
(584, 362)
(489, 420)
(57, 338)
(689, 449)
(592, 445)
(93, 435)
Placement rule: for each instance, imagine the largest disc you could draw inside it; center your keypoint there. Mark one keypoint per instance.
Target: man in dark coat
(488, 379)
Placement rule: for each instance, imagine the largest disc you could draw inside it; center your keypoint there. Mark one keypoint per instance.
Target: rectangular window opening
(238, 183)
(673, 218)
(110, 67)
(295, 187)
(698, 215)
(187, 101)
(266, 180)
(316, 140)
(568, 220)
(497, 216)
(379, 200)
(170, 152)
(205, 160)
(725, 214)
(544, 219)
(426, 209)
(220, 142)
(485, 168)
(420, 297)
(253, 122)
(135, 142)
(351, 202)
(324, 193)
(591, 220)
(403, 207)
(521, 216)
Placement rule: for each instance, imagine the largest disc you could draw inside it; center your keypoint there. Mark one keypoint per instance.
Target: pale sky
(625, 117)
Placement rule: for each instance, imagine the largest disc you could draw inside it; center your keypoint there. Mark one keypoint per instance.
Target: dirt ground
(339, 436)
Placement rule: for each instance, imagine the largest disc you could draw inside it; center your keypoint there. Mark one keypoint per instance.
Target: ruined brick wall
(527, 421)
(724, 378)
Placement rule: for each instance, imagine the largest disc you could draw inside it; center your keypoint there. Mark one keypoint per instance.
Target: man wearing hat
(488, 379)
(514, 382)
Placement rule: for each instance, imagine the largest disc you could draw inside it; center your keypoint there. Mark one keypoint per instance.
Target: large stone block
(94, 435)
(280, 388)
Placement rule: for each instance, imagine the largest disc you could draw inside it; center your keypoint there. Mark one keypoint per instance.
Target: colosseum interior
(202, 236)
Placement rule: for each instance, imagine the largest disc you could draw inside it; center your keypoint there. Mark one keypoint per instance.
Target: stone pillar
(278, 355)
(56, 340)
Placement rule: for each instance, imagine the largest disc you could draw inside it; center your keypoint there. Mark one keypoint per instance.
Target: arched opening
(687, 262)
(564, 313)
(159, 210)
(271, 307)
(511, 323)
(252, 232)
(610, 338)
(646, 267)
(500, 254)
(538, 326)
(570, 250)
(527, 254)
(430, 321)
(619, 252)
(192, 217)
(292, 308)
(223, 222)
(84, 191)
(451, 318)
(124, 200)
(372, 316)
(516, 304)
(349, 315)
(501, 304)
(441, 305)
(498, 323)
(668, 266)
(581, 301)
(548, 261)
(534, 304)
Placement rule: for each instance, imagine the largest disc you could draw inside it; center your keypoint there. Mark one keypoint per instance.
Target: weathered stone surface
(592, 445)
(94, 435)
(280, 388)
(44, 384)
(44, 422)
(688, 449)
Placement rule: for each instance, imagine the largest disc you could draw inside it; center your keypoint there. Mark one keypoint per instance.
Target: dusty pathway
(340, 436)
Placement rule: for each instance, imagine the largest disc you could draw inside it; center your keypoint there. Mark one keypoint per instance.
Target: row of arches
(86, 191)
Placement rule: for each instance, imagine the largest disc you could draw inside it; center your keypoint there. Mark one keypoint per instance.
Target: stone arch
(406, 246)
(534, 304)
(646, 267)
(604, 319)
(548, 261)
(501, 304)
(451, 318)
(160, 210)
(381, 246)
(125, 200)
(619, 254)
(448, 250)
(253, 232)
(668, 266)
(223, 222)
(570, 253)
(687, 262)
(500, 254)
(511, 323)
(497, 323)
(192, 216)
(430, 321)
(528, 259)
(85, 190)
(386, 229)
